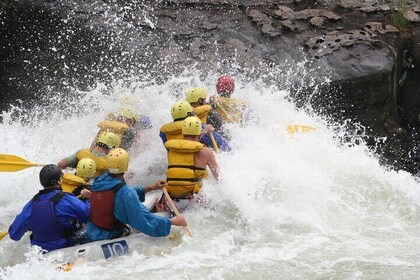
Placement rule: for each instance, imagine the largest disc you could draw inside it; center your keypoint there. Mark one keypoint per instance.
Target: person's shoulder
(207, 152)
(127, 191)
(69, 198)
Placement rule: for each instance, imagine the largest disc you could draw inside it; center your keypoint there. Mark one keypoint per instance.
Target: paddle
(294, 128)
(3, 234)
(172, 204)
(225, 112)
(12, 163)
(216, 148)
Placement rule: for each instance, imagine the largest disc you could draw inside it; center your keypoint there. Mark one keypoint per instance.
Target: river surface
(302, 206)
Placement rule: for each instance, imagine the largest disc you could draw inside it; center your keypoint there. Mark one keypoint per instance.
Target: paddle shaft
(172, 204)
(213, 141)
(225, 112)
(3, 234)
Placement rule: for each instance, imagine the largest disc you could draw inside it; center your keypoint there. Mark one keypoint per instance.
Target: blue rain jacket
(66, 211)
(128, 210)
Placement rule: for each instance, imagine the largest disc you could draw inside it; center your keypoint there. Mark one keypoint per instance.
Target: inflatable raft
(105, 249)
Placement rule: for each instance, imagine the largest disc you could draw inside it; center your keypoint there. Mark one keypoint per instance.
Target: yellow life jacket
(183, 177)
(116, 127)
(234, 108)
(173, 130)
(202, 112)
(71, 181)
(100, 161)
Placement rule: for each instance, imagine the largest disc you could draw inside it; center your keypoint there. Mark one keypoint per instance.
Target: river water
(302, 206)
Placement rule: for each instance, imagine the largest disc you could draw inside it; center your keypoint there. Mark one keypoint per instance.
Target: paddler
(230, 109)
(115, 204)
(106, 141)
(76, 183)
(197, 99)
(126, 122)
(187, 163)
(180, 110)
(51, 215)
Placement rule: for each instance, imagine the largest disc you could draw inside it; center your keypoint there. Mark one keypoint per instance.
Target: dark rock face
(373, 68)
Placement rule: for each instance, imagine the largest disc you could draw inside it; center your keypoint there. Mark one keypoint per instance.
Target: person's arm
(70, 161)
(215, 120)
(211, 163)
(139, 217)
(141, 191)
(162, 136)
(79, 209)
(156, 186)
(20, 225)
(222, 143)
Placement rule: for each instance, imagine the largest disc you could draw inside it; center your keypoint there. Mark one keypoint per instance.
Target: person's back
(197, 98)
(184, 177)
(180, 110)
(51, 215)
(231, 109)
(114, 204)
(127, 123)
(187, 163)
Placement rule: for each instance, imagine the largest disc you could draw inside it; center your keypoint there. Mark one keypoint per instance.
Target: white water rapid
(301, 207)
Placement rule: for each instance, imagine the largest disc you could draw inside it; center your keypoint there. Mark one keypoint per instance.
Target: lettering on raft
(114, 249)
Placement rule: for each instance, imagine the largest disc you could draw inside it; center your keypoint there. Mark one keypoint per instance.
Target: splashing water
(301, 207)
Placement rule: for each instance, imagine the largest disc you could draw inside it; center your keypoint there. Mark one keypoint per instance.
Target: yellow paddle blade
(3, 234)
(294, 128)
(68, 266)
(65, 266)
(12, 163)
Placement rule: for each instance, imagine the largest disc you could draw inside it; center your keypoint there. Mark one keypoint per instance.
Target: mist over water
(302, 206)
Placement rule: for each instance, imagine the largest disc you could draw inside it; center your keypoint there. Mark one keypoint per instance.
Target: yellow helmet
(117, 161)
(194, 94)
(110, 139)
(180, 109)
(86, 168)
(129, 113)
(126, 98)
(192, 126)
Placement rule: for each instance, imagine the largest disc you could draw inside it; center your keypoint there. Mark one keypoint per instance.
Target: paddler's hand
(160, 184)
(85, 194)
(128, 175)
(179, 221)
(213, 101)
(157, 186)
(207, 129)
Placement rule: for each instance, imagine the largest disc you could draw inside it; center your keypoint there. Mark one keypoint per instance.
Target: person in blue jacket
(180, 110)
(51, 215)
(114, 204)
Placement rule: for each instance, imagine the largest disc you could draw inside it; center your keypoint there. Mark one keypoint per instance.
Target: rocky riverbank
(369, 51)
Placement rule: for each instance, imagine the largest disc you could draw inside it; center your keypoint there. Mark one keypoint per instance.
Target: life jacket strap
(184, 179)
(192, 167)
